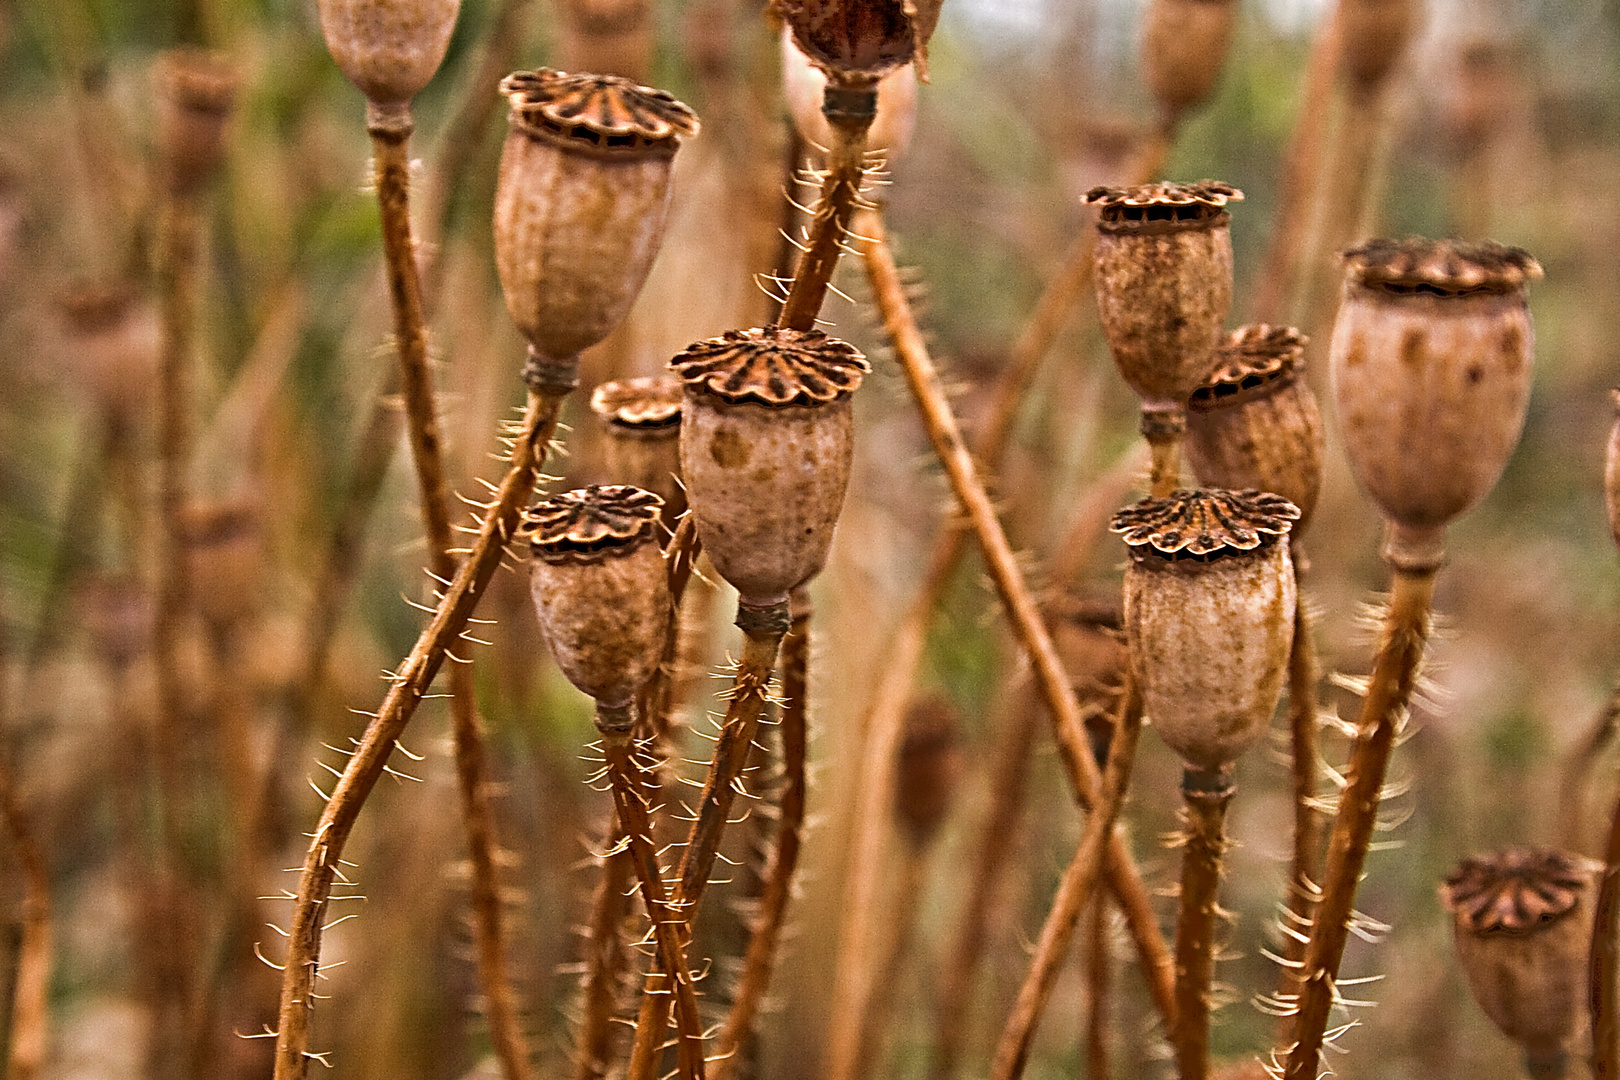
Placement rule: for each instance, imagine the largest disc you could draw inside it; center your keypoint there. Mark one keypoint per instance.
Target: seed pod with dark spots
(767, 436)
(581, 202)
(861, 40)
(1209, 616)
(196, 90)
(929, 761)
(1431, 359)
(389, 49)
(1184, 45)
(1164, 283)
(599, 587)
(642, 420)
(1372, 36)
(224, 558)
(1522, 922)
(1255, 422)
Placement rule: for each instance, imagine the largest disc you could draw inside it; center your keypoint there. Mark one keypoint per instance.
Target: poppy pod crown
(642, 419)
(766, 442)
(1209, 616)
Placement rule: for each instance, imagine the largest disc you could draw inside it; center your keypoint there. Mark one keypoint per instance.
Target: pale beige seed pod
(1184, 45)
(1255, 422)
(1522, 922)
(389, 49)
(767, 436)
(1430, 362)
(1209, 616)
(581, 202)
(196, 92)
(600, 588)
(1611, 472)
(642, 420)
(803, 83)
(225, 559)
(1373, 35)
(1164, 283)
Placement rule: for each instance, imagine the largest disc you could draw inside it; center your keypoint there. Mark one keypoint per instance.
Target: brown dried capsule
(1209, 616)
(599, 587)
(860, 40)
(224, 552)
(1255, 422)
(642, 419)
(1431, 359)
(1183, 47)
(766, 441)
(196, 90)
(926, 768)
(803, 85)
(1164, 283)
(581, 202)
(389, 49)
(1611, 472)
(1522, 922)
(1373, 34)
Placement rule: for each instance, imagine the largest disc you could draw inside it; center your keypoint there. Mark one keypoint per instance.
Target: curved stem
(410, 683)
(1205, 795)
(1406, 628)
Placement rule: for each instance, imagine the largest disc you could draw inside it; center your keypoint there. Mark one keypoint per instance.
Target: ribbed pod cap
(1209, 616)
(767, 437)
(389, 49)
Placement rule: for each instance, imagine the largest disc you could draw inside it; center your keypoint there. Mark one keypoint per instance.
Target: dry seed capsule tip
(804, 84)
(858, 41)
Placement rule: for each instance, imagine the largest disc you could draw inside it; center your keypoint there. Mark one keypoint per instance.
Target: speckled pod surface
(1372, 36)
(1164, 282)
(1255, 423)
(802, 86)
(389, 49)
(599, 586)
(581, 202)
(1184, 45)
(196, 90)
(1430, 361)
(642, 420)
(767, 436)
(1209, 616)
(1522, 922)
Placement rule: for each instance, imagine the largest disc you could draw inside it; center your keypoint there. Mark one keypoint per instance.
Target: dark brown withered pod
(196, 92)
(581, 202)
(926, 768)
(1164, 286)
(600, 590)
(1209, 616)
(110, 341)
(1255, 422)
(1431, 360)
(642, 420)
(766, 439)
(1184, 45)
(389, 49)
(858, 41)
(1522, 922)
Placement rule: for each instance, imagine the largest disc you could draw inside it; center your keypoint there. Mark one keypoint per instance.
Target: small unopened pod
(803, 84)
(1372, 36)
(389, 49)
(860, 40)
(767, 436)
(581, 202)
(600, 589)
(1164, 283)
(1255, 422)
(642, 420)
(1522, 922)
(1209, 616)
(196, 91)
(1184, 45)
(1431, 360)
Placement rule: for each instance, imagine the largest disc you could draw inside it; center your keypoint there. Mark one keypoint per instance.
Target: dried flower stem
(840, 195)
(1099, 987)
(1205, 795)
(760, 960)
(1603, 968)
(878, 1012)
(1019, 605)
(1406, 628)
(1305, 869)
(410, 683)
(391, 158)
(1576, 773)
(1074, 892)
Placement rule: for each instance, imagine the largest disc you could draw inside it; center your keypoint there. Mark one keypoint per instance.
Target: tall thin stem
(1305, 867)
(840, 195)
(1603, 968)
(1205, 794)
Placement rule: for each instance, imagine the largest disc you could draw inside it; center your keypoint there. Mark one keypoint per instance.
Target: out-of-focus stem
(840, 194)
(1074, 892)
(1406, 628)
(1576, 773)
(1603, 969)
(1099, 987)
(1205, 794)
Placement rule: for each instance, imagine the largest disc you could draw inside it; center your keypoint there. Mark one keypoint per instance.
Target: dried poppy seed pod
(110, 337)
(857, 41)
(1255, 422)
(926, 768)
(1522, 922)
(766, 440)
(581, 202)
(196, 90)
(600, 589)
(1431, 360)
(1164, 284)
(1372, 36)
(1184, 44)
(803, 85)
(642, 420)
(224, 551)
(1209, 616)
(389, 49)
(1611, 472)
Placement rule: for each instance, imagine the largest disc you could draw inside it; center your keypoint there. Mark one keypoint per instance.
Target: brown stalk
(878, 1012)
(1205, 795)
(390, 151)
(1406, 627)
(1099, 988)
(1603, 966)
(1074, 892)
(410, 683)
(760, 959)
(1305, 868)
(1576, 773)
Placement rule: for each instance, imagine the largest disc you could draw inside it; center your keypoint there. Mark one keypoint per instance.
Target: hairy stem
(840, 195)
(1074, 893)
(1406, 628)
(410, 683)
(1305, 868)
(1205, 794)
